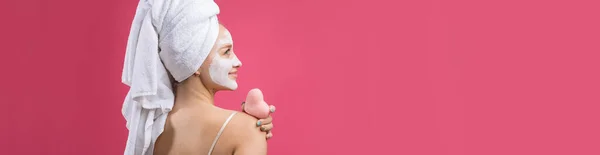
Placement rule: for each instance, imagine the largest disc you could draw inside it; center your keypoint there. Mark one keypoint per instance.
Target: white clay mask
(221, 67)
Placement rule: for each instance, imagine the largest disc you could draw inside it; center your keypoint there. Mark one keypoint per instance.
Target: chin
(232, 86)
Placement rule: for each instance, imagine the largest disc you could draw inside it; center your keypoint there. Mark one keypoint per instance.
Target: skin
(194, 121)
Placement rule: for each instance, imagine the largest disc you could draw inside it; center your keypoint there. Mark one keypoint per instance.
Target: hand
(266, 125)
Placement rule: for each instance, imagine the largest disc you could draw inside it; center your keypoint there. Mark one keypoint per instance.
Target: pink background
(430, 77)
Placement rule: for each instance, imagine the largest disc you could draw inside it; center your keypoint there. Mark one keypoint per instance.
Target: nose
(237, 63)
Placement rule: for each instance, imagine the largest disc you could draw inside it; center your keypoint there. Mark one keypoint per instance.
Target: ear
(197, 73)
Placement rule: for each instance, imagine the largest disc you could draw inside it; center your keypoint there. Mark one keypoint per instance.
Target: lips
(234, 74)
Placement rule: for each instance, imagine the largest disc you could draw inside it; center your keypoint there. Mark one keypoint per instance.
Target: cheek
(218, 69)
(206, 65)
(204, 70)
(206, 77)
(221, 64)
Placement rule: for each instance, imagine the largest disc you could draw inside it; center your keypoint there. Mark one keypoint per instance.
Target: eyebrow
(227, 45)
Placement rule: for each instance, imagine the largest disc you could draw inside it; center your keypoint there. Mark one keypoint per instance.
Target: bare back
(193, 129)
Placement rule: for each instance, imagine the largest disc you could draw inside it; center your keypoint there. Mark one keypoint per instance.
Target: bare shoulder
(244, 125)
(247, 136)
(245, 121)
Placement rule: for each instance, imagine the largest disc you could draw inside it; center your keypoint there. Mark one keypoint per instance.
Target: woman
(181, 41)
(195, 121)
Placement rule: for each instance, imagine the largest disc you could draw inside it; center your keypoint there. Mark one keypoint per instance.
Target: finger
(266, 127)
(243, 103)
(265, 121)
(272, 108)
(269, 135)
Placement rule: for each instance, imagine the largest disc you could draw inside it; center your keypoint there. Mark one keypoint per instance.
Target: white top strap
(220, 132)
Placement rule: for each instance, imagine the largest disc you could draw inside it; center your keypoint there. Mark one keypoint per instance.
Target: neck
(193, 91)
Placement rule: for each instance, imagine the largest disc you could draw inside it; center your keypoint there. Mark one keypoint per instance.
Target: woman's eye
(228, 50)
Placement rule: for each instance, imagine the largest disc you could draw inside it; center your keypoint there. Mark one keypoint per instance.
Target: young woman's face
(219, 70)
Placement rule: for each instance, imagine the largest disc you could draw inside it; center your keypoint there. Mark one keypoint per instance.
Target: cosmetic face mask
(220, 67)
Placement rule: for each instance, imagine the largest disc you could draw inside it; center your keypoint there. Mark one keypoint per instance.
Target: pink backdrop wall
(462, 77)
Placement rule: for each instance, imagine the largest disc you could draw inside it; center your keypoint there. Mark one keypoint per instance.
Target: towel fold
(168, 39)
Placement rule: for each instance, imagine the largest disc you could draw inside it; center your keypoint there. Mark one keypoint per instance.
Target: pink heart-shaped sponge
(255, 104)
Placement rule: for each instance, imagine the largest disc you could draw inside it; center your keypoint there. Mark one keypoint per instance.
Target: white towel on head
(167, 36)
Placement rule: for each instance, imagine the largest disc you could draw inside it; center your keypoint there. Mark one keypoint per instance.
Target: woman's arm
(253, 144)
(249, 139)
